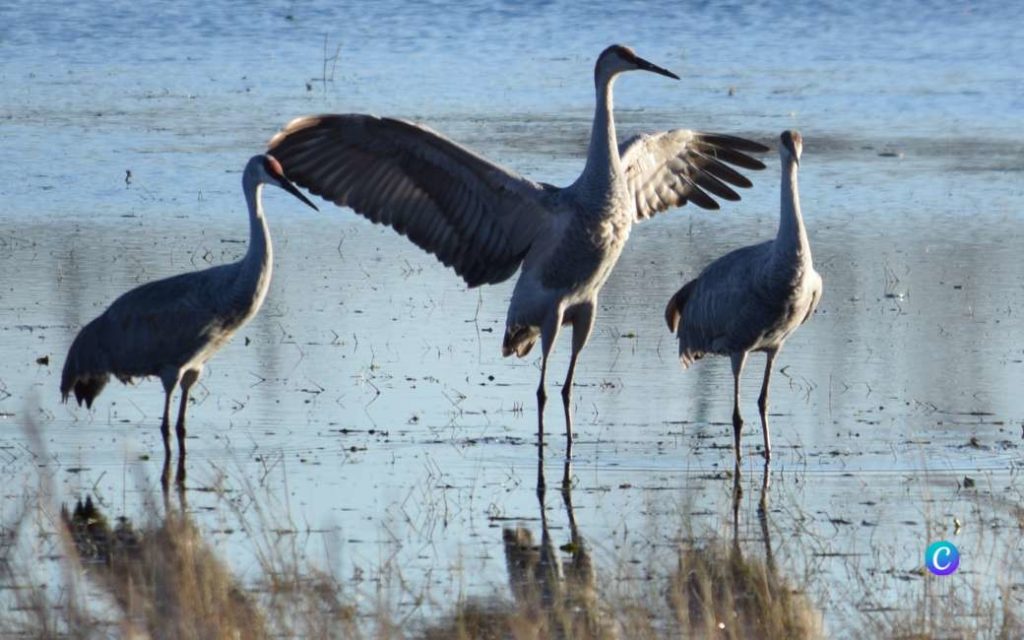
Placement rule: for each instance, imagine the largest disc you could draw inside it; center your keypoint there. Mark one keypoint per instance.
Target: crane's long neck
(603, 166)
(256, 267)
(791, 242)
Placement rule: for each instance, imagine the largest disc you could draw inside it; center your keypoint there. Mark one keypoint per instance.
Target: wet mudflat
(367, 420)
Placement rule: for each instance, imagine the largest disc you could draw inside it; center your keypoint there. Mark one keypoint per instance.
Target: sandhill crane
(753, 298)
(170, 328)
(485, 221)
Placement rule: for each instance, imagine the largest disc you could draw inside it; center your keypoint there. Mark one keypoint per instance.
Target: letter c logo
(942, 558)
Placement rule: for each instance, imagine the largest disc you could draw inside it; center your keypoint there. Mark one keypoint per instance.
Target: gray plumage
(486, 222)
(169, 328)
(753, 298)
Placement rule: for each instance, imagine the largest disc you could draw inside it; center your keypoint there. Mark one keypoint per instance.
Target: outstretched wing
(671, 168)
(475, 216)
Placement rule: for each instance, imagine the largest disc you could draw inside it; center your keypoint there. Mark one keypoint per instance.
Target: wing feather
(733, 142)
(719, 304)
(725, 173)
(738, 158)
(473, 215)
(670, 168)
(709, 182)
(162, 323)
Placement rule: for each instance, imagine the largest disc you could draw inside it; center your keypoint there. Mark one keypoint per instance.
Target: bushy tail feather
(676, 304)
(87, 388)
(675, 313)
(519, 340)
(85, 368)
(688, 356)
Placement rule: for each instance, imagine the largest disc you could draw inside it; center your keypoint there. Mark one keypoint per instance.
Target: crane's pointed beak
(650, 66)
(292, 189)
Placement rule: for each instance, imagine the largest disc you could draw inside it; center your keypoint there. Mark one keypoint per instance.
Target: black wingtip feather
(724, 172)
(738, 158)
(701, 199)
(708, 181)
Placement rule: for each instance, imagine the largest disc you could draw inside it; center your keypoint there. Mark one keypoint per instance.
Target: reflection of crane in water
(717, 592)
(753, 298)
(156, 574)
(486, 222)
(562, 596)
(171, 327)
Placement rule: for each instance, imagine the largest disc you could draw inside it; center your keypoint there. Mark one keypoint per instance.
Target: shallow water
(370, 393)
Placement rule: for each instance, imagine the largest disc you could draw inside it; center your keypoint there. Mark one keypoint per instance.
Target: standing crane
(753, 298)
(486, 222)
(169, 328)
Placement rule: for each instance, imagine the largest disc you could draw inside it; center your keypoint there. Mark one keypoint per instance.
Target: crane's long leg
(165, 424)
(582, 324)
(187, 380)
(762, 402)
(548, 334)
(762, 506)
(738, 360)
